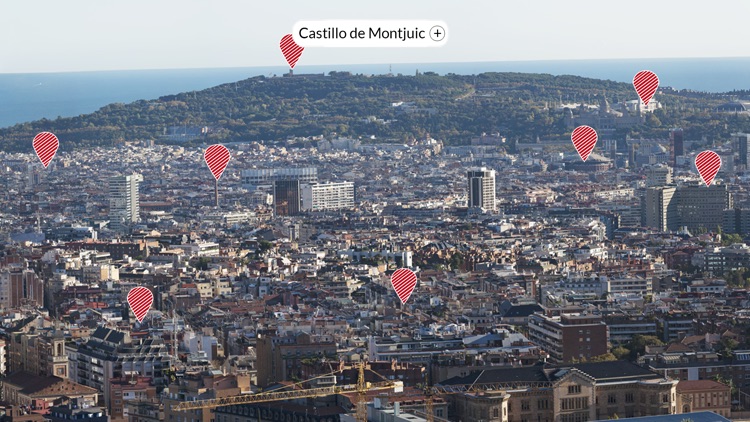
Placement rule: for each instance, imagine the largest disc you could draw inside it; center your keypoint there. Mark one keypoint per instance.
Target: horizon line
(375, 64)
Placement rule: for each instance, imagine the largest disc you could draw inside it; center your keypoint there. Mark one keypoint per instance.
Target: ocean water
(27, 97)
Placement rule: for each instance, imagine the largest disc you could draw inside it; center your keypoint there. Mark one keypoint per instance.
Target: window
(495, 413)
(665, 398)
(542, 404)
(612, 399)
(525, 405)
(574, 403)
(629, 398)
(439, 413)
(574, 389)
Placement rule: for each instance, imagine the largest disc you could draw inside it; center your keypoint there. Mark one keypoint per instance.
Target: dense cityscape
(549, 288)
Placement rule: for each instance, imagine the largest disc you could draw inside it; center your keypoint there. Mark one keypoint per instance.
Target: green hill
(451, 108)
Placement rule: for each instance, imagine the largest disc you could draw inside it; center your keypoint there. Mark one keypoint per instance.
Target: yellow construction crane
(361, 388)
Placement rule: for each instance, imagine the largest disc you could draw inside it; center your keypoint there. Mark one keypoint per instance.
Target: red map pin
(645, 83)
(290, 49)
(217, 158)
(140, 300)
(708, 164)
(404, 280)
(584, 139)
(45, 146)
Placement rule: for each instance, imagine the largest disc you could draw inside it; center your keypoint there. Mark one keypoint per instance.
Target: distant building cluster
(548, 289)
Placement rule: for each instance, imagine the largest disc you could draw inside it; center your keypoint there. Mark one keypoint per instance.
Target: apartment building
(569, 337)
(41, 352)
(111, 355)
(326, 196)
(290, 356)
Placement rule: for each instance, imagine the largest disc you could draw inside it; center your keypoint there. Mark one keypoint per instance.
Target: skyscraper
(481, 188)
(286, 197)
(741, 141)
(660, 208)
(124, 200)
(703, 207)
(676, 146)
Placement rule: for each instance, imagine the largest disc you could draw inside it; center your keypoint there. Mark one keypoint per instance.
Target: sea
(33, 96)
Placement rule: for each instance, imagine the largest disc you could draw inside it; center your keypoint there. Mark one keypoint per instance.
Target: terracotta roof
(700, 385)
(34, 385)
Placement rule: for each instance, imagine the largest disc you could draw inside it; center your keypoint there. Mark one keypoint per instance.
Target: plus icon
(437, 33)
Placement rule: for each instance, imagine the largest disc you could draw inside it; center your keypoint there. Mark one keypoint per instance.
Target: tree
(264, 246)
(607, 357)
(201, 264)
(637, 345)
(736, 278)
(621, 352)
(730, 239)
(727, 345)
(456, 260)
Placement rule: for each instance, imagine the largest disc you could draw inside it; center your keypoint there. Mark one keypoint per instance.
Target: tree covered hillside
(452, 108)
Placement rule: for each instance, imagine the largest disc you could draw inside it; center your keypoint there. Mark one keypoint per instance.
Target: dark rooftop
(692, 416)
(601, 371)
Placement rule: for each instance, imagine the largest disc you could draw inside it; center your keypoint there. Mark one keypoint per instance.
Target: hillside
(452, 108)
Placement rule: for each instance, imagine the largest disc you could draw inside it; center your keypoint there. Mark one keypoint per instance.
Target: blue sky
(79, 35)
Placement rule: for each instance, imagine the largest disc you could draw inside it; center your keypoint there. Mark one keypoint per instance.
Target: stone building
(705, 395)
(566, 393)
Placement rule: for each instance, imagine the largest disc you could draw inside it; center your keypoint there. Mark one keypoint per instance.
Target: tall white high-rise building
(124, 200)
(481, 188)
(327, 196)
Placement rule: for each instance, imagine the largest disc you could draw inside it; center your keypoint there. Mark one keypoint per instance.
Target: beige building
(660, 208)
(705, 395)
(574, 393)
(491, 406)
(41, 352)
(658, 175)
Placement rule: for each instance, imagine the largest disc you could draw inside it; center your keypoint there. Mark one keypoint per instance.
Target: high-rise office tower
(703, 207)
(286, 197)
(124, 201)
(741, 141)
(676, 146)
(481, 188)
(660, 208)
